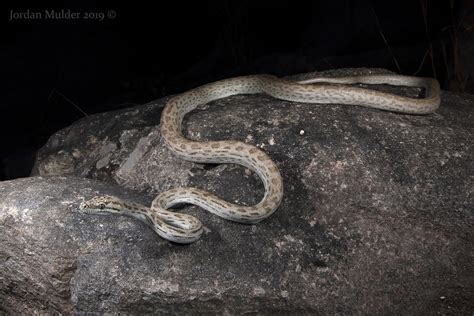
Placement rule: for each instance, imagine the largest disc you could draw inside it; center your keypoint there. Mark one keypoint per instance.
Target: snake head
(100, 204)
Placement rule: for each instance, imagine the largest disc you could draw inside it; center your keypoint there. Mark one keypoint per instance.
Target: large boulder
(377, 215)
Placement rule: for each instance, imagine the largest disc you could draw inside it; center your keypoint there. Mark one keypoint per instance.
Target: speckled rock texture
(377, 215)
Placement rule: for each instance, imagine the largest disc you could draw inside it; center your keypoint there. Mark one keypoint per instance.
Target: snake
(183, 228)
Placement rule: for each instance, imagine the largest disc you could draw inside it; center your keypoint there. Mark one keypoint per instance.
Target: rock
(377, 215)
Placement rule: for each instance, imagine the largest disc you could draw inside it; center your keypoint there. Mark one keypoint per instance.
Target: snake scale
(184, 228)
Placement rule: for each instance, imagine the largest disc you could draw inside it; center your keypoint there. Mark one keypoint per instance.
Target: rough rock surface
(377, 215)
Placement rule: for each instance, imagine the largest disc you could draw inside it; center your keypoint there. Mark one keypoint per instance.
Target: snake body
(184, 228)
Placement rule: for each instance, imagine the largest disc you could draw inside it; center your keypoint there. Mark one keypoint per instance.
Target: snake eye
(101, 206)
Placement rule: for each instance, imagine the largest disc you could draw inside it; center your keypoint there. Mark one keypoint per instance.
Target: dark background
(57, 71)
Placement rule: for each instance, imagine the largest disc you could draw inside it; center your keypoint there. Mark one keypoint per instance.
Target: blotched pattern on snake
(183, 228)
